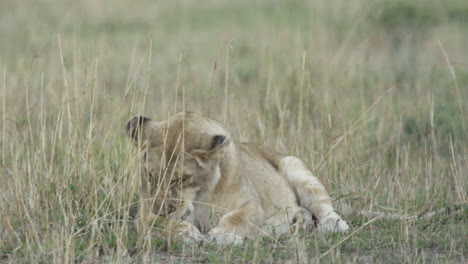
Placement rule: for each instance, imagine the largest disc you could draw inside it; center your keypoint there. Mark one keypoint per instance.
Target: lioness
(222, 190)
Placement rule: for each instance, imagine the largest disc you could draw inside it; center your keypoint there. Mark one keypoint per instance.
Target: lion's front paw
(224, 237)
(333, 223)
(189, 234)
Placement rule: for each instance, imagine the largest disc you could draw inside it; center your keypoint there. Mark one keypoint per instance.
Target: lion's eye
(184, 178)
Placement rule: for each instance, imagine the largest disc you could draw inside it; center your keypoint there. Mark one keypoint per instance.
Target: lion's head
(179, 153)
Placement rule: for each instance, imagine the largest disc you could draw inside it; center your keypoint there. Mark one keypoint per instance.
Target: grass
(370, 94)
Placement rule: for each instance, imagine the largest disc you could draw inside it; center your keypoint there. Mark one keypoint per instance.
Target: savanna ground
(372, 94)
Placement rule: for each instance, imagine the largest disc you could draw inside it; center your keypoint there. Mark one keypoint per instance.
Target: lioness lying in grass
(222, 190)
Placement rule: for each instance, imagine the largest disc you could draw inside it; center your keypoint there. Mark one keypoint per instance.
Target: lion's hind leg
(312, 194)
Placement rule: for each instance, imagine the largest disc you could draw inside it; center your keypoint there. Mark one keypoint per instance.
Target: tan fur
(194, 172)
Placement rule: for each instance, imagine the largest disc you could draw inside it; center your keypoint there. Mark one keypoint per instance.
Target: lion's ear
(217, 143)
(136, 129)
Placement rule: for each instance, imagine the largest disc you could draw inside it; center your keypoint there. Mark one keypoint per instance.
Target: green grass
(371, 94)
